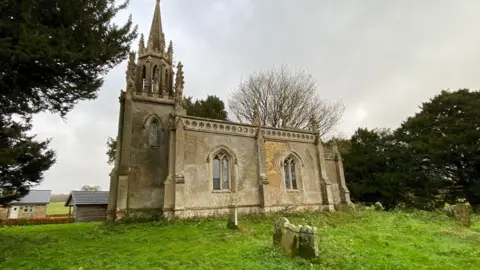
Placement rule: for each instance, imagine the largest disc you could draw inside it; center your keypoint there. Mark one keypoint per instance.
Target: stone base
(187, 213)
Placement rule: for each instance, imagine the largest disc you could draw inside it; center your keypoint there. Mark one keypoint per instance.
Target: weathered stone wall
(199, 193)
(334, 179)
(308, 186)
(148, 164)
(177, 175)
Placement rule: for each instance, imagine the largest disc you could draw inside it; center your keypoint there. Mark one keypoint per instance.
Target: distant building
(31, 206)
(88, 205)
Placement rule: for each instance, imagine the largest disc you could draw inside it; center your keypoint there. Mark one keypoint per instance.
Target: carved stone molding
(288, 135)
(205, 125)
(329, 154)
(179, 179)
(218, 127)
(153, 98)
(264, 179)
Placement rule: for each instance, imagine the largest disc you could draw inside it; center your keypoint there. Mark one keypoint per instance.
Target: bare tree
(286, 99)
(90, 188)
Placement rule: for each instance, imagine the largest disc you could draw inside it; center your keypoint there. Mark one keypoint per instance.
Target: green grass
(361, 240)
(54, 208)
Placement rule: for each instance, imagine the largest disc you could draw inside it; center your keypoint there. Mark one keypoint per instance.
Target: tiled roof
(35, 197)
(87, 197)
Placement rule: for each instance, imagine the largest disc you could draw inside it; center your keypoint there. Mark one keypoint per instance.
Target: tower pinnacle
(156, 39)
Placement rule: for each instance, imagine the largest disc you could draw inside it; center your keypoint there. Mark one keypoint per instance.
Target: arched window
(153, 134)
(166, 80)
(221, 171)
(144, 74)
(155, 78)
(290, 173)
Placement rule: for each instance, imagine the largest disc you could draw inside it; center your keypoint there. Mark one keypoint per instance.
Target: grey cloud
(381, 58)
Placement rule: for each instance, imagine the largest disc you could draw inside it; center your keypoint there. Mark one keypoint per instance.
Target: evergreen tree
(212, 107)
(111, 150)
(445, 140)
(23, 160)
(53, 54)
(371, 167)
(433, 158)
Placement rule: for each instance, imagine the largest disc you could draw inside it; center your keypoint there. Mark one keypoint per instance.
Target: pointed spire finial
(334, 145)
(180, 80)
(313, 123)
(179, 84)
(131, 70)
(170, 50)
(141, 45)
(256, 115)
(156, 42)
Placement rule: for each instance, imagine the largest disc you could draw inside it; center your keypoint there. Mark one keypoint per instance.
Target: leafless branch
(286, 98)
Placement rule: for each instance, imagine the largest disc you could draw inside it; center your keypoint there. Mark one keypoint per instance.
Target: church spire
(156, 39)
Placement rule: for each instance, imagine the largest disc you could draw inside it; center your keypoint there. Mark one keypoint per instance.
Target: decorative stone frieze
(288, 135)
(218, 127)
(245, 130)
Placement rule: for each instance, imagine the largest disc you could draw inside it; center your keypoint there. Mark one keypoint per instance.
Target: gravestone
(278, 230)
(461, 213)
(308, 243)
(232, 222)
(290, 239)
(295, 240)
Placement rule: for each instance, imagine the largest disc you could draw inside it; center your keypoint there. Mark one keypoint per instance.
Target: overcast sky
(381, 58)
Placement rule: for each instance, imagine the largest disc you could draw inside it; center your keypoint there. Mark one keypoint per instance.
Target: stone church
(184, 166)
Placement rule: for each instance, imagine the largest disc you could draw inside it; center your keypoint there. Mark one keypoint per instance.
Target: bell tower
(153, 95)
(154, 66)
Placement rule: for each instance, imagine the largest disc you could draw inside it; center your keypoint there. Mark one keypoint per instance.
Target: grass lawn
(361, 240)
(54, 208)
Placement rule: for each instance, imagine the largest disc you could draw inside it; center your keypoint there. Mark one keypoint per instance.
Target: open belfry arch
(170, 163)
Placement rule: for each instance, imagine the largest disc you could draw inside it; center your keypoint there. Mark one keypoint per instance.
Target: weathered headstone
(290, 239)
(278, 230)
(308, 243)
(378, 206)
(461, 213)
(449, 209)
(295, 240)
(232, 222)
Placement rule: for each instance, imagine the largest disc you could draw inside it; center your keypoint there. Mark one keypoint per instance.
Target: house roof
(87, 198)
(35, 197)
